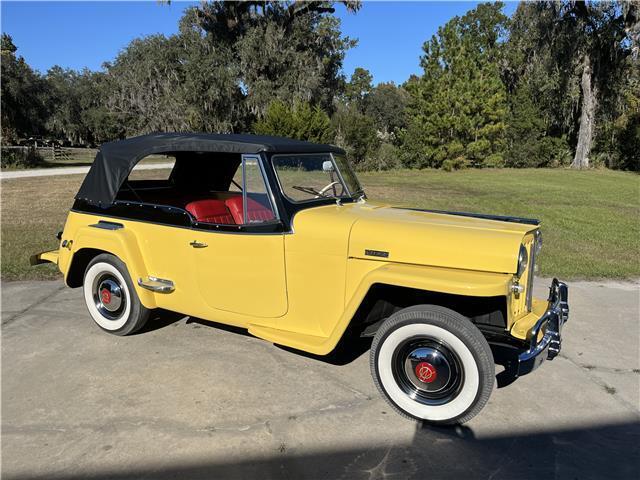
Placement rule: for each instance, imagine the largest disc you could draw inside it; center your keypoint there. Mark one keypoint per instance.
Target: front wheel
(110, 297)
(432, 364)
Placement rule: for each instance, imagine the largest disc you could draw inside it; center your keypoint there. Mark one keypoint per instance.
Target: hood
(436, 238)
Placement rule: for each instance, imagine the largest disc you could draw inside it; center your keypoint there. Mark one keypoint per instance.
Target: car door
(240, 268)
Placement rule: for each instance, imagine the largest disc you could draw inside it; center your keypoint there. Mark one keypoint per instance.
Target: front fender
(432, 279)
(435, 279)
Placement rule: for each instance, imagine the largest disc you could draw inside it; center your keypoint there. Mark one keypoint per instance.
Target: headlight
(523, 261)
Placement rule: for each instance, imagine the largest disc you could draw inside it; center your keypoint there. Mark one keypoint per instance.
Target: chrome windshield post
(244, 190)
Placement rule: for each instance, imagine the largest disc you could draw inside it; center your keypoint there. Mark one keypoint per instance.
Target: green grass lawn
(590, 219)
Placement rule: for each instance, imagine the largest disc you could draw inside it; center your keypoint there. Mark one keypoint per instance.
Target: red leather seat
(255, 211)
(210, 211)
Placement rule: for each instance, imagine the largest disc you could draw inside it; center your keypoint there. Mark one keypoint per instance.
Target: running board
(158, 285)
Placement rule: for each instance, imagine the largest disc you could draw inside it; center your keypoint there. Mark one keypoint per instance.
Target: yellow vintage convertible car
(277, 236)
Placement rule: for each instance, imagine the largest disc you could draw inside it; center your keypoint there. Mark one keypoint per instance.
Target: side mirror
(327, 166)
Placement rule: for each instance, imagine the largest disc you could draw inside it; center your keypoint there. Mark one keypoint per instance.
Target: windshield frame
(359, 190)
(350, 195)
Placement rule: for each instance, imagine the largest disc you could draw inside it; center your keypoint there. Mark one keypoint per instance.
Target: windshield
(312, 176)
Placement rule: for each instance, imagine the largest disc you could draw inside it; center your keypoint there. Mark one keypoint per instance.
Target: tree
(457, 110)
(302, 122)
(176, 83)
(617, 140)
(385, 105)
(573, 55)
(102, 124)
(23, 95)
(290, 51)
(358, 89)
(355, 132)
(64, 120)
(601, 30)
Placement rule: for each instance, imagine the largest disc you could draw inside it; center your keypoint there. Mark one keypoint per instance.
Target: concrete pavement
(49, 172)
(188, 399)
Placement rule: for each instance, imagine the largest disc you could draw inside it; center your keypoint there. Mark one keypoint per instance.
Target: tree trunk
(587, 117)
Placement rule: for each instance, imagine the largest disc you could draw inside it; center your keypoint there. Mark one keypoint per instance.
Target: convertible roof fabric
(115, 160)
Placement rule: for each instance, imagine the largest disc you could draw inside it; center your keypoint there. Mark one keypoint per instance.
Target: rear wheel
(432, 364)
(111, 298)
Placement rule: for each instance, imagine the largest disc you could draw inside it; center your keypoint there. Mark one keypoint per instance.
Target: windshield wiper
(313, 191)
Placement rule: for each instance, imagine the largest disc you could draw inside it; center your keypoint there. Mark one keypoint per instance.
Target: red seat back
(210, 211)
(255, 210)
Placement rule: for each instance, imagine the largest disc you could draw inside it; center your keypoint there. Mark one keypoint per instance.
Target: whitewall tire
(432, 364)
(111, 298)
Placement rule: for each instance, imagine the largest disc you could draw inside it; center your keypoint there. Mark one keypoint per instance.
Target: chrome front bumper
(551, 322)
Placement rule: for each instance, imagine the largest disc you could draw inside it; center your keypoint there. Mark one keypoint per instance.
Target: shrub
(302, 122)
(457, 163)
(20, 157)
(385, 158)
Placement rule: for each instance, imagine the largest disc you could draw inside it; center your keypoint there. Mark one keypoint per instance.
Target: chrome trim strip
(272, 199)
(103, 224)
(344, 184)
(499, 218)
(158, 285)
(245, 219)
(267, 187)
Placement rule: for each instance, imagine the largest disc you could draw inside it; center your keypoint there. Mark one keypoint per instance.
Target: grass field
(590, 219)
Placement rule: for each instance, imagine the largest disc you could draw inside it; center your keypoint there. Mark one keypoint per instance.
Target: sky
(87, 34)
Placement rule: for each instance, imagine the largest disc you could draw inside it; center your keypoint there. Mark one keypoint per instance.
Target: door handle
(196, 244)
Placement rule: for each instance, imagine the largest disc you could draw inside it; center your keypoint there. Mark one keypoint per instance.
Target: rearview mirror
(327, 166)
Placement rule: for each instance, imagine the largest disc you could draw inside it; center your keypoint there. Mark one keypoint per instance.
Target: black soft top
(115, 160)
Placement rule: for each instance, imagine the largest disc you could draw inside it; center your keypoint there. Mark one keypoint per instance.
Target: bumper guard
(551, 323)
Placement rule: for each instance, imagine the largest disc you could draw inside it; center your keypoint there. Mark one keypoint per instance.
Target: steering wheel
(332, 184)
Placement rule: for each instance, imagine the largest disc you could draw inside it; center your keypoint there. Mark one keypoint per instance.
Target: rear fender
(123, 244)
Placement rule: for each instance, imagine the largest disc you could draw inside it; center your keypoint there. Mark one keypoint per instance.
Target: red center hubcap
(105, 295)
(426, 372)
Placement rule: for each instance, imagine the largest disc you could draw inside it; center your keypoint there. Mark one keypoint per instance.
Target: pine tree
(457, 109)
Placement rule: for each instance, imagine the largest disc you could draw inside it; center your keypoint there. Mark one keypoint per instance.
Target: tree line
(556, 84)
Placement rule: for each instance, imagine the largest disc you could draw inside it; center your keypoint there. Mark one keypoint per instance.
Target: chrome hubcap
(109, 296)
(427, 370)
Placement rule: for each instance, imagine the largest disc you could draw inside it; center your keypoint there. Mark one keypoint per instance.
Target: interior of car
(203, 184)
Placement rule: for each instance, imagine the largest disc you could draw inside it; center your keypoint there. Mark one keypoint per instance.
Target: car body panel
(241, 273)
(438, 240)
(324, 284)
(522, 326)
(458, 282)
(301, 281)
(206, 284)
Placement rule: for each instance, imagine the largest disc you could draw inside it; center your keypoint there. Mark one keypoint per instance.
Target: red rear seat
(210, 211)
(255, 211)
